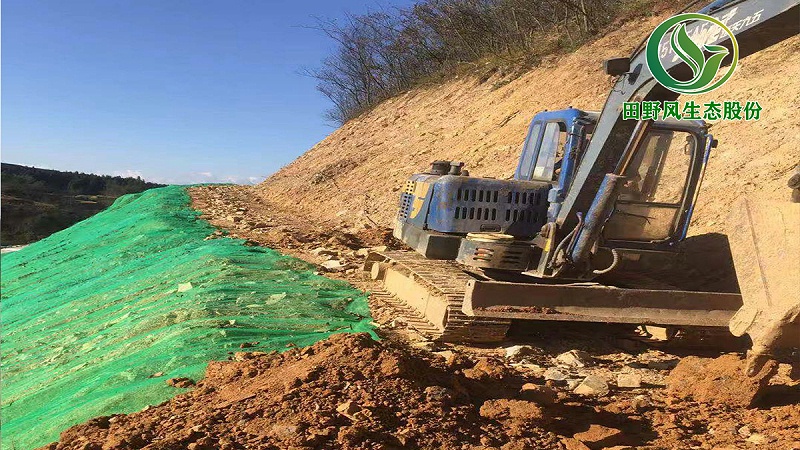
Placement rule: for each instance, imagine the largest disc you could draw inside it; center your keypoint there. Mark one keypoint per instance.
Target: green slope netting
(91, 313)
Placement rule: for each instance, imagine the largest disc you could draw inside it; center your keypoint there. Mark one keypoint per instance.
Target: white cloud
(208, 177)
(128, 173)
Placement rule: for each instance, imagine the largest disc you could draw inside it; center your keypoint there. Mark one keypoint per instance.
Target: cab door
(655, 203)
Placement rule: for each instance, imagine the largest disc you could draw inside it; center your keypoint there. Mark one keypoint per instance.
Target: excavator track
(434, 291)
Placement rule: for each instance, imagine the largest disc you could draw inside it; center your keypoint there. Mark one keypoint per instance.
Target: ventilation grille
(493, 202)
(521, 215)
(473, 213)
(405, 205)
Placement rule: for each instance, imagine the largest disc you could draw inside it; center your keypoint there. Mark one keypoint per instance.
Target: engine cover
(461, 204)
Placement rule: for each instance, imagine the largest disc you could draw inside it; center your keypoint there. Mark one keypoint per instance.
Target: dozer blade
(765, 243)
(584, 302)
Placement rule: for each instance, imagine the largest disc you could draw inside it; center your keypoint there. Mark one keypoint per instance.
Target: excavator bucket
(765, 243)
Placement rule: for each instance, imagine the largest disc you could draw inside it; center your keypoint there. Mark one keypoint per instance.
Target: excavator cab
(661, 180)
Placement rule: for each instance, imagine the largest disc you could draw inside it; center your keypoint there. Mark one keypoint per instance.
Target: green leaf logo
(704, 69)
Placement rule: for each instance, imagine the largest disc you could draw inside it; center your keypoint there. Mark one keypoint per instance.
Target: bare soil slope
(359, 169)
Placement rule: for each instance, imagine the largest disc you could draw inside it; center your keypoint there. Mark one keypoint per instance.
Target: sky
(174, 91)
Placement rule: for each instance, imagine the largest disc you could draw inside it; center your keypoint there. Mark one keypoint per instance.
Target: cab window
(650, 201)
(551, 150)
(529, 151)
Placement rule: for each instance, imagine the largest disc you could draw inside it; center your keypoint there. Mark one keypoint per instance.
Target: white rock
(574, 358)
(517, 352)
(424, 345)
(592, 385)
(629, 380)
(183, 287)
(322, 251)
(554, 374)
(333, 265)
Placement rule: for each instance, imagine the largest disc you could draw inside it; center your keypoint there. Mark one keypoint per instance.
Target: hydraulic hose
(566, 239)
(613, 265)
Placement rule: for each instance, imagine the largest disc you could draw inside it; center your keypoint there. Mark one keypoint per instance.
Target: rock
(592, 385)
(284, 432)
(322, 251)
(183, 287)
(640, 403)
(662, 365)
(438, 394)
(573, 444)
(629, 380)
(156, 375)
(362, 252)
(349, 409)
(744, 431)
(333, 265)
(599, 436)
(554, 374)
(424, 345)
(757, 438)
(542, 395)
(574, 358)
(519, 352)
(487, 369)
(521, 410)
(242, 356)
(446, 354)
(180, 382)
(573, 383)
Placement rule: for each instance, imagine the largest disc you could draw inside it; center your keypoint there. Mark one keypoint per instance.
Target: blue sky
(175, 91)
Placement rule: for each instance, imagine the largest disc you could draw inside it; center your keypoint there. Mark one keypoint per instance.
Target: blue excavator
(592, 194)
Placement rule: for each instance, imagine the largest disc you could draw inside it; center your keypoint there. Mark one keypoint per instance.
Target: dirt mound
(721, 380)
(354, 393)
(346, 392)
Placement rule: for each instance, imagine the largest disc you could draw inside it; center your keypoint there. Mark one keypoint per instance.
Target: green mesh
(91, 313)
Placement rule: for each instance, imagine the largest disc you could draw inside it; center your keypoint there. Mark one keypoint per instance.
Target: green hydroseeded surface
(91, 313)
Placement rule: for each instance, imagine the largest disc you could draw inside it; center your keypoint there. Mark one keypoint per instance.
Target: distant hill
(38, 202)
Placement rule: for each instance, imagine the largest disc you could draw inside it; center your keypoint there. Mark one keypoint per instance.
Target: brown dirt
(722, 380)
(351, 392)
(346, 392)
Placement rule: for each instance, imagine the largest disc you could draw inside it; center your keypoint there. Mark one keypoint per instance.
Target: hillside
(38, 202)
(359, 169)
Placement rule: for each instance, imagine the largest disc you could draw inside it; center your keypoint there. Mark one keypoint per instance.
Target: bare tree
(380, 54)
